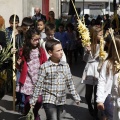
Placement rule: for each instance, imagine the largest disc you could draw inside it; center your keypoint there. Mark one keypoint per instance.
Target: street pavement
(71, 110)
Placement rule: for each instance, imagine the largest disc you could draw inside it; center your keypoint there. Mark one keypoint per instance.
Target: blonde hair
(112, 55)
(93, 35)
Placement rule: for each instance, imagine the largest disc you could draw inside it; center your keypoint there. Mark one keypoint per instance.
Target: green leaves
(5, 53)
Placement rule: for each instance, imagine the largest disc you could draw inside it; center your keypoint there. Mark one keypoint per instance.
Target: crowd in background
(35, 31)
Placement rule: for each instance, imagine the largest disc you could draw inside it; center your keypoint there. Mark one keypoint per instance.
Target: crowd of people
(45, 49)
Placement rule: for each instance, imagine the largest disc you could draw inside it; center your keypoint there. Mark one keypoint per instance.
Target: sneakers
(17, 107)
(91, 111)
(22, 110)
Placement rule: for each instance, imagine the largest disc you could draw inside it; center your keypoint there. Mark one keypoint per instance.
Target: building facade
(25, 8)
(91, 7)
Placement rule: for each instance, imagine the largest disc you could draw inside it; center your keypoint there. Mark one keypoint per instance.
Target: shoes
(22, 111)
(91, 111)
(17, 107)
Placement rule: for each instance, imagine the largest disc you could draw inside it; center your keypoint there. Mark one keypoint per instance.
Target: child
(31, 56)
(41, 28)
(10, 29)
(71, 42)
(50, 31)
(109, 80)
(54, 75)
(20, 39)
(61, 35)
(90, 74)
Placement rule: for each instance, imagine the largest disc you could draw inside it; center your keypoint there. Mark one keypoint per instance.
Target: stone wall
(9, 7)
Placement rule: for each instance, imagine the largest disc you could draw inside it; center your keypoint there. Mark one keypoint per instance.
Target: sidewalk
(71, 110)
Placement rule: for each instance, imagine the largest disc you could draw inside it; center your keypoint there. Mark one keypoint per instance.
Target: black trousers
(90, 89)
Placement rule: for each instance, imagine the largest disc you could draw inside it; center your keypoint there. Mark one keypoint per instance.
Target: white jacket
(108, 84)
(42, 44)
(104, 83)
(90, 74)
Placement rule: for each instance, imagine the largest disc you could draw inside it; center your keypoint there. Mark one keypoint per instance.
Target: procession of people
(45, 51)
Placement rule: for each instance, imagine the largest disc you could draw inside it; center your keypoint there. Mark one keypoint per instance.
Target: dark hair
(27, 21)
(61, 25)
(49, 27)
(51, 13)
(86, 16)
(27, 43)
(70, 25)
(50, 44)
(11, 19)
(41, 20)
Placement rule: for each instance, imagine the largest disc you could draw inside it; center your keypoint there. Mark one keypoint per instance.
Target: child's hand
(31, 106)
(16, 31)
(88, 48)
(13, 51)
(100, 106)
(78, 103)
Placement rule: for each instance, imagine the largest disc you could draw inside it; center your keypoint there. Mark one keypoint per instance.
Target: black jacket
(2, 39)
(35, 18)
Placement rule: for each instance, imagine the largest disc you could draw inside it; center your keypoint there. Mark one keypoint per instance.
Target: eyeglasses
(37, 39)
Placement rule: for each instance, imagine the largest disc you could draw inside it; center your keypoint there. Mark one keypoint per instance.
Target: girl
(41, 28)
(109, 80)
(31, 56)
(90, 75)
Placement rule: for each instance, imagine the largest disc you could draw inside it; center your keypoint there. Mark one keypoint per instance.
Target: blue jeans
(19, 96)
(20, 99)
(108, 112)
(53, 112)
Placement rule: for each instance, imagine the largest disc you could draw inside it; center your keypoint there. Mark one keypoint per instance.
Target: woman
(51, 19)
(31, 56)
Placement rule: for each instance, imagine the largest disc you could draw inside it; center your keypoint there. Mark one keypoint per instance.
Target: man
(38, 16)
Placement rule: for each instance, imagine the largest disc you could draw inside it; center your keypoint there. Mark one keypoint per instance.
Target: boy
(52, 82)
(26, 24)
(61, 35)
(50, 31)
(41, 28)
(20, 37)
(10, 29)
